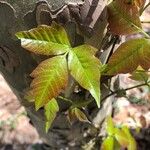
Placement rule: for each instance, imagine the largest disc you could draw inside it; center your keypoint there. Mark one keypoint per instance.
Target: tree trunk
(16, 63)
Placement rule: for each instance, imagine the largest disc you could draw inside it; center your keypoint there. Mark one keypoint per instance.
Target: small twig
(142, 31)
(143, 9)
(127, 89)
(145, 21)
(113, 46)
(107, 87)
(65, 99)
(130, 88)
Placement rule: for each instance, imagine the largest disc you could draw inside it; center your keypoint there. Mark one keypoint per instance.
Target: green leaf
(45, 40)
(129, 56)
(121, 137)
(50, 78)
(110, 126)
(140, 75)
(117, 146)
(108, 144)
(85, 69)
(132, 142)
(51, 109)
(76, 113)
(123, 17)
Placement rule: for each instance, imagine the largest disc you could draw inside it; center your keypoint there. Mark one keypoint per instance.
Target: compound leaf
(51, 109)
(129, 56)
(45, 40)
(85, 68)
(123, 17)
(50, 78)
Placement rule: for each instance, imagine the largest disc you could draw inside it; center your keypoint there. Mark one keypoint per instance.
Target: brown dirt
(14, 124)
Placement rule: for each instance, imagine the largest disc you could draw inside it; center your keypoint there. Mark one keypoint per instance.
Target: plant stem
(127, 89)
(143, 9)
(65, 99)
(130, 88)
(142, 31)
(145, 21)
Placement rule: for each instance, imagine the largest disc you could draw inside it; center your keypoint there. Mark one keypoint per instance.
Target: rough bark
(16, 64)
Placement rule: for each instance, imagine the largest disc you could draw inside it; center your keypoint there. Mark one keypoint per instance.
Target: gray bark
(16, 64)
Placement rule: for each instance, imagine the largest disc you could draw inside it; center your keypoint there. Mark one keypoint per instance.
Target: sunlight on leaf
(110, 126)
(45, 40)
(51, 109)
(129, 56)
(85, 68)
(50, 78)
(108, 144)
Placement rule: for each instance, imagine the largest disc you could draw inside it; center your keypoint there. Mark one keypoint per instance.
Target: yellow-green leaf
(117, 146)
(87, 48)
(121, 137)
(50, 78)
(129, 56)
(51, 109)
(108, 144)
(123, 17)
(85, 68)
(45, 40)
(132, 142)
(110, 126)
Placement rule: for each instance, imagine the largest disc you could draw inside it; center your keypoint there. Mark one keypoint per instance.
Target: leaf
(45, 40)
(76, 113)
(110, 126)
(139, 75)
(132, 142)
(51, 109)
(121, 137)
(140, 3)
(117, 146)
(50, 78)
(86, 48)
(85, 69)
(123, 18)
(129, 56)
(108, 144)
